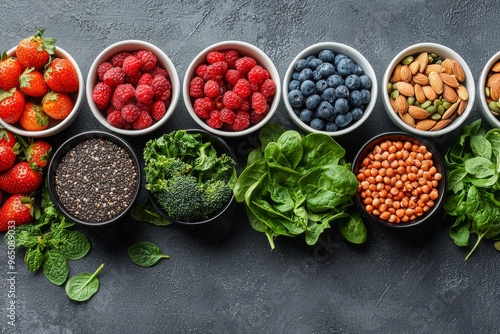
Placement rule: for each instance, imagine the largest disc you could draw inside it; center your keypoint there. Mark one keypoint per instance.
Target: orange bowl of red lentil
(402, 180)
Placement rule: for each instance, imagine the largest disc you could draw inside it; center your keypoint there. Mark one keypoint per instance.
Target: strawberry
(20, 179)
(10, 70)
(7, 138)
(57, 105)
(35, 51)
(33, 117)
(11, 105)
(61, 76)
(18, 208)
(7, 157)
(38, 154)
(32, 83)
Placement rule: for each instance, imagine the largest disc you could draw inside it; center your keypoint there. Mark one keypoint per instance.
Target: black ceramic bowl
(438, 162)
(221, 147)
(67, 147)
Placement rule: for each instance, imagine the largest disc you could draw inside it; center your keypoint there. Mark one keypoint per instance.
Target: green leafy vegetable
(82, 287)
(145, 254)
(147, 213)
(55, 267)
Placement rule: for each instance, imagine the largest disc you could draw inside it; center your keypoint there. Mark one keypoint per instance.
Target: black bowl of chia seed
(94, 178)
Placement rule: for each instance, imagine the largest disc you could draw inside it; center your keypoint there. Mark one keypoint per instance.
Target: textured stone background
(395, 283)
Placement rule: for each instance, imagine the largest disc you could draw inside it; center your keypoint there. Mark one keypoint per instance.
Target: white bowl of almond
(428, 90)
(489, 91)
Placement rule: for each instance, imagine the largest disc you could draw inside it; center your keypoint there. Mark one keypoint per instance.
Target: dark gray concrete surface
(395, 283)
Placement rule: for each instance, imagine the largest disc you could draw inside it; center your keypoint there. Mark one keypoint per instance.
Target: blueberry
(329, 95)
(366, 82)
(326, 69)
(365, 96)
(321, 85)
(308, 88)
(343, 120)
(346, 67)
(353, 82)
(300, 65)
(331, 126)
(317, 124)
(325, 110)
(294, 84)
(310, 58)
(317, 76)
(306, 115)
(334, 81)
(341, 106)
(296, 98)
(359, 70)
(297, 111)
(342, 92)
(312, 102)
(305, 74)
(295, 75)
(338, 58)
(356, 113)
(355, 98)
(327, 56)
(315, 62)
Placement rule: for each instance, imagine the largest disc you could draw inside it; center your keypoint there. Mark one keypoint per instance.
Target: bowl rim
(92, 79)
(349, 51)
(270, 67)
(59, 52)
(69, 144)
(492, 120)
(226, 207)
(410, 50)
(443, 182)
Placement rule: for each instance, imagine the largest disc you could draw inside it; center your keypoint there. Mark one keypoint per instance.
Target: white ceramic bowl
(494, 121)
(244, 49)
(337, 48)
(131, 46)
(55, 126)
(444, 52)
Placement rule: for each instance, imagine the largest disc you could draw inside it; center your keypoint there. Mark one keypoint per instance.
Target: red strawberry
(38, 154)
(11, 105)
(34, 118)
(10, 70)
(18, 208)
(61, 76)
(35, 51)
(7, 157)
(7, 138)
(20, 179)
(32, 83)
(57, 105)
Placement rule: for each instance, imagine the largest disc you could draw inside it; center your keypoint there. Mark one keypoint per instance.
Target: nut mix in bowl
(489, 91)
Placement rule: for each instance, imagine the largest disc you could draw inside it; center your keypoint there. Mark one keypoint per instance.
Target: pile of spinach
(473, 191)
(295, 185)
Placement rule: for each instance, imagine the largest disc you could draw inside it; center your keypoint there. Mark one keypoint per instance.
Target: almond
(441, 124)
(414, 66)
(492, 79)
(450, 110)
(462, 92)
(433, 68)
(406, 74)
(419, 93)
(408, 119)
(396, 75)
(458, 71)
(447, 65)
(401, 104)
(418, 113)
(423, 60)
(496, 67)
(449, 79)
(430, 94)
(420, 79)
(405, 88)
(436, 83)
(462, 107)
(450, 94)
(425, 125)
(495, 91)
(393, 103)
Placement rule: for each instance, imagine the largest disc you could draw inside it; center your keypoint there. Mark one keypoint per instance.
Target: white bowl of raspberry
(132, 88)
(231, 89)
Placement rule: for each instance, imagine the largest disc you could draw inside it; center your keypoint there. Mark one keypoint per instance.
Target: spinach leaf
(455, 180)
(145, 254)
(255, 156)
(147, 213)
(314, 229)
(353, 229)
(260, 226)
(320, 150)
(250, 176)
(274, 155)
(33, 258)
(482, 209)
(281, 197)
(460, 231)
(291, 147)
(481, 147)
(480, 167)
(270, 133)
(82, 287)
(453, 204)
(55, 267)
(75, 245)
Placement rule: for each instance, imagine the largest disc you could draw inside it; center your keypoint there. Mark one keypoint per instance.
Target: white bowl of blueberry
(329, 88)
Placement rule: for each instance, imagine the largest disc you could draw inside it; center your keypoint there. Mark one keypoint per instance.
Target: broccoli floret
(216, 194)
(176, 167)
(182, 199)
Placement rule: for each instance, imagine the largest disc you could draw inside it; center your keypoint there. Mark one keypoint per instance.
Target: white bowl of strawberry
(231, 89)
(41, 88)
(132, 87)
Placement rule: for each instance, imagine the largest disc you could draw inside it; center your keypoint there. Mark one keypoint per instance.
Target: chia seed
(96, 180)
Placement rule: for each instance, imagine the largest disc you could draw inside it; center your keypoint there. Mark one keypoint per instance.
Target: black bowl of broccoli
(189, 176)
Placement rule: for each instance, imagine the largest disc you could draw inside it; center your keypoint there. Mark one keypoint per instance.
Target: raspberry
(242, 88)
(255, 87)
(257, 74)
(114, 76)
(196, 87)
(164, 97)
(148, 60)
(116, 119)
(132, 66)
(160, 84)
(259, 103)
(120, 104)
(201, 70)
(231, 56)
(232, 77)
(268, 88)
(145, 106)
(211, 89)
(146, 79)
(158, 110)
(117, 59)
(159, 71)
(215, 56)
(245, 105)
(144, 93)
(203, 106)
(101, 95)
(227, 116)
(143, 121)
(216, 71)
(135, 53)
(130, 112)
(102, 69)
(214, 120)
(127, 126)
(242, 114)
(133, 80)
(256, 118)
(231, 100)
(241, 122)
(245, 64)
(124, 92)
